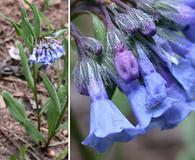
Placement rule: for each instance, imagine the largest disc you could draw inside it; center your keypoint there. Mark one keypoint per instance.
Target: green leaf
(121, 102)
(29, 34)
(33, 132)
(37, 20)
(52, 119)
(60, 32)
(17, 28)
(62, 95)
(22, 152)
(62, 155)
(36, 17)
(65, 71)
(52, 92)
(26, 68)
(99, 28)
(53, 116)
(12, 157)
(16, 108)
(65, 44)
(63, 126)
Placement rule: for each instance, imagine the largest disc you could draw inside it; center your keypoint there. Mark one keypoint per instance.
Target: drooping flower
(179, 106)
(126, 23)
(144, 22)
(107, 123)
(46, 52)
(91, 46)
(154, 82)
(135, 20)
(179, 67)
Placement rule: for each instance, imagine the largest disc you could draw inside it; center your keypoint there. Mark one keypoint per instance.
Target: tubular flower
(46, 52)
(112, 126)
(180, 106)
(181, 69)
(154, 82)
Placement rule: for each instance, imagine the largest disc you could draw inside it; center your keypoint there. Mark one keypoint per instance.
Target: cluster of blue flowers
(47, 51)
(150, 57)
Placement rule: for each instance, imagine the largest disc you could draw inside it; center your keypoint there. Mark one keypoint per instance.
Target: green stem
(57, 125)
(35, 74)
(58, 73)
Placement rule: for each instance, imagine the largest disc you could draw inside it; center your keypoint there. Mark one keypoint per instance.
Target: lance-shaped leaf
(25, 67)
(52, 92)
(33, 132)
(53, 116)
(27, 28)
(62, 96)
(17, 110)
(36, 18)
(65, 71)
(99, 29)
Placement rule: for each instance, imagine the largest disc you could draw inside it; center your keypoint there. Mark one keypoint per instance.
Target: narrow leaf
(16, 108)
(53, 116)
(37, 20)
(13, 157)
(22, 152)
(59, 33)
(52, 119)
(36, 17)
(65, 71)
(52, 92)
(99, 28)
(62, 95)
(62, 155)
(33, 132)
(26, 68)
(27, 28)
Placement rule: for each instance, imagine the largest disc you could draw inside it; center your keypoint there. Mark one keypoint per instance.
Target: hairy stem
(58, 74)
(35, 74)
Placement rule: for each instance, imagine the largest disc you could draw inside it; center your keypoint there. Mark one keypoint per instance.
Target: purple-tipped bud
(142, 21)
(114, 36)
(92, 46)
(149, 29)
(126, 64)
(126, 23)
(82, 88)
